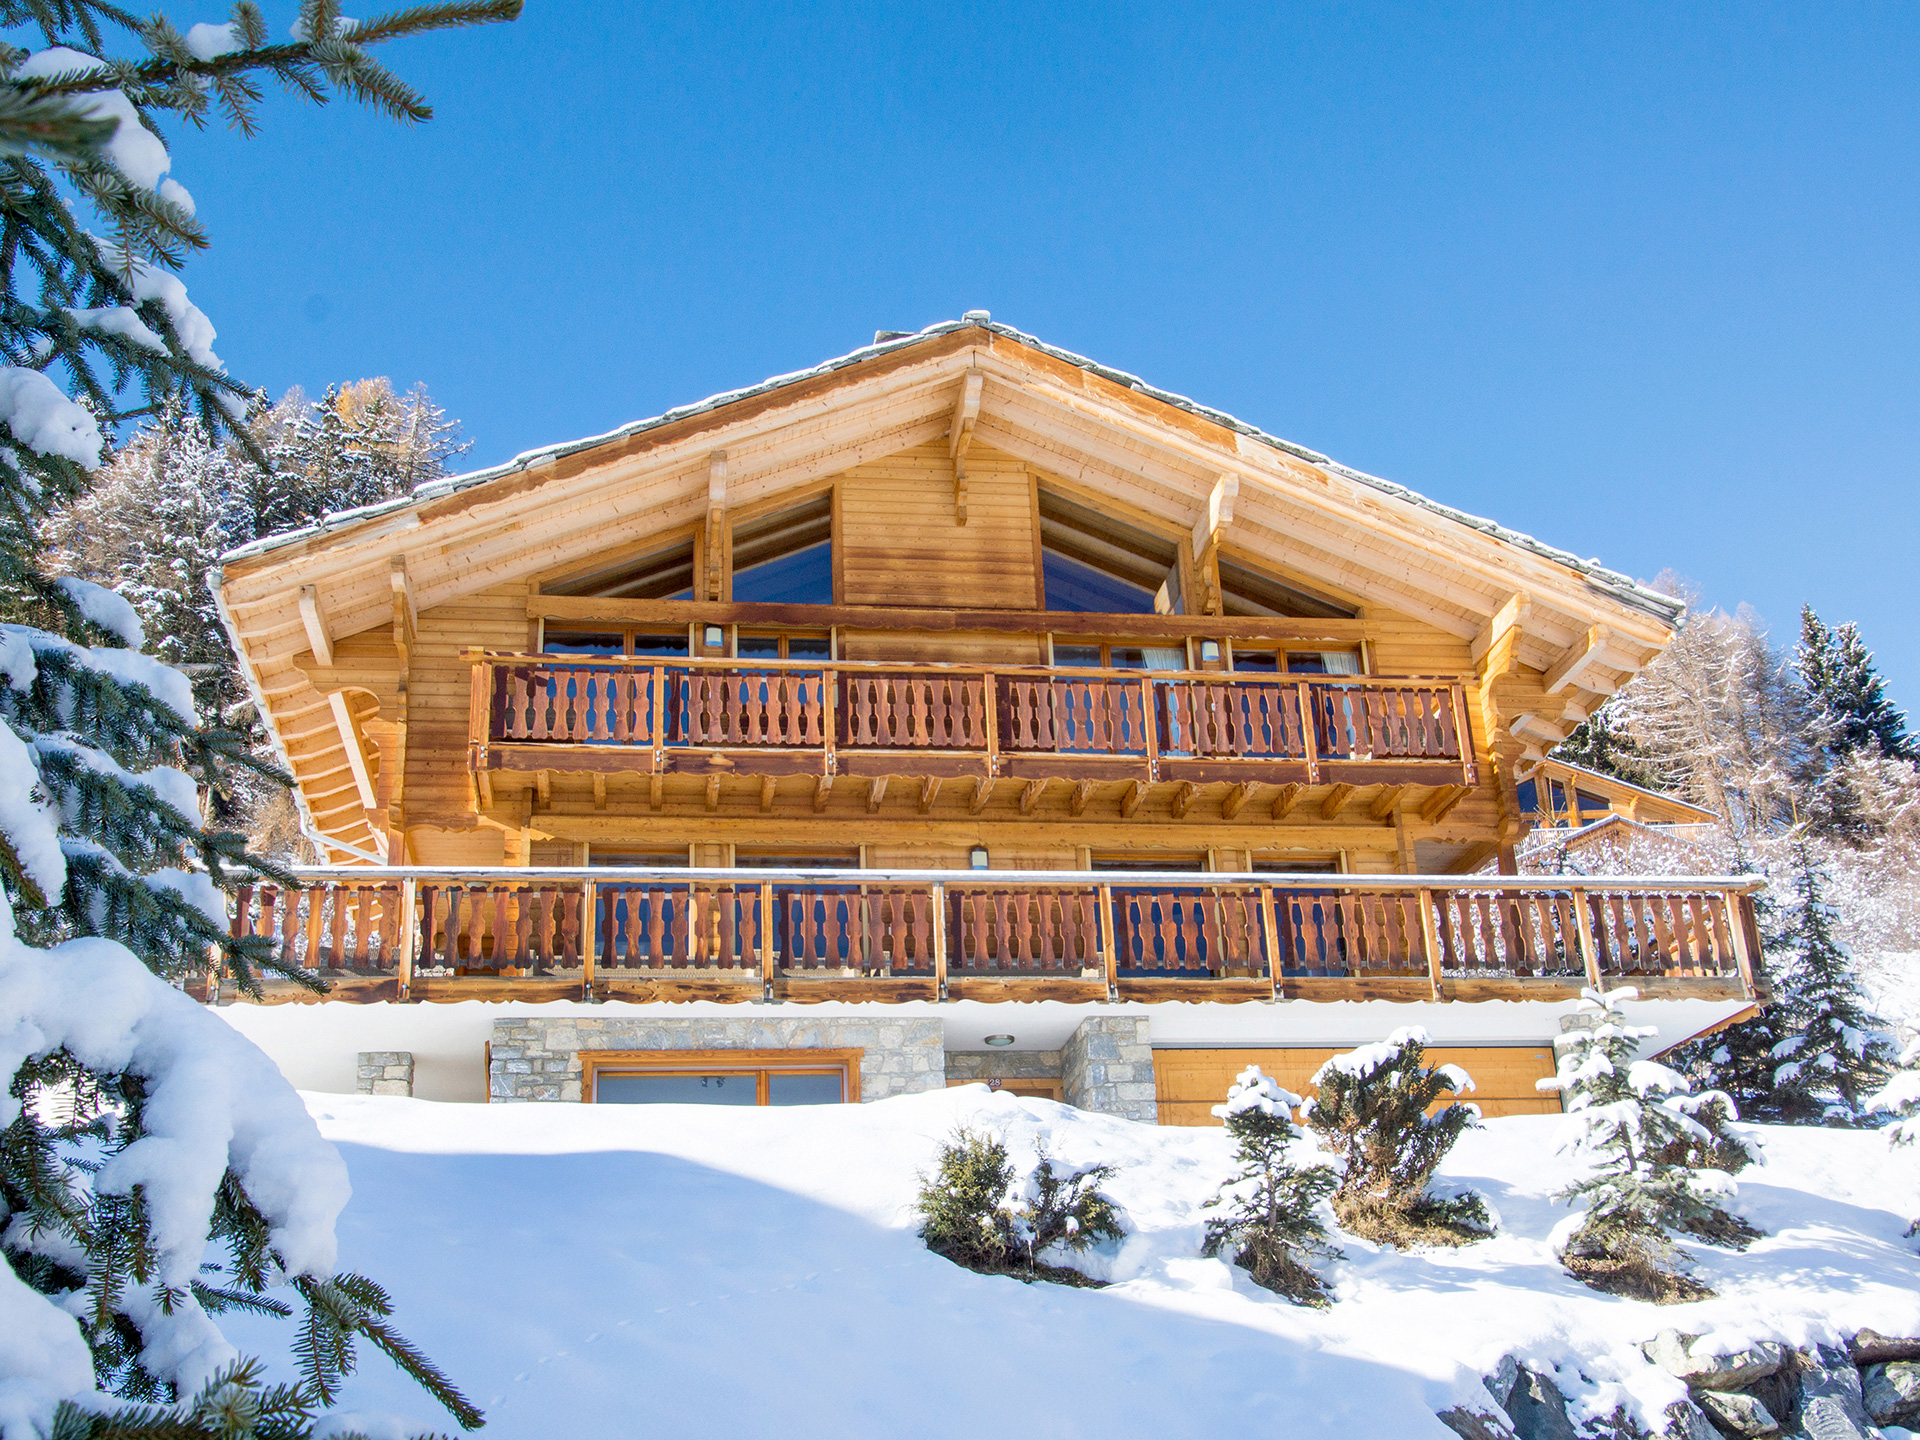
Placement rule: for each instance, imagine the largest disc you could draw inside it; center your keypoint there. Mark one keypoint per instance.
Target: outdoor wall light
(716, 637)
(1209, 649)
(998, 1040)
(977, 857)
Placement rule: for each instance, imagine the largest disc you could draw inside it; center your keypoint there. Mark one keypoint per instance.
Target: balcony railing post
(1309, 736)
(1109, 952)
(1463, 737)
(1589, 951)
(829, 719)
(938, 894)
(1270, 933)
(1745, 927)
(765, 902)
(659, 718)
(589, 935)
(990, 702)
(1149, 724)
(1430, 942)
(409, 935)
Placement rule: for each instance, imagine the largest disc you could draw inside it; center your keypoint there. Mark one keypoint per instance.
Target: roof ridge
(1623, 587)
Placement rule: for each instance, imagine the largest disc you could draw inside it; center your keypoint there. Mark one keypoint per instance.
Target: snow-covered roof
(1622, 587)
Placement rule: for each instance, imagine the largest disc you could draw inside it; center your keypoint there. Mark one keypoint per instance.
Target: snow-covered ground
(696, 1271)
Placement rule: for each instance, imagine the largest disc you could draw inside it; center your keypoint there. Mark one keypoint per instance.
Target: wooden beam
(876, 792)
(599, 791)
(982, 792)
(966, 412)
(1082, 793)
(1386, 801)
(356, 757)
(767, 783)
(929, 792)
(1217, 516)
(1130, 802)
(1577, 660)
(1030, 795)
(1510, 616)
(406, 609)
(1183, 799)
(542, 785)
(1284, 802)
(716, 526)
(1529, 728)
(1236, 800)
(319, 639)
(822, 787)
(713, 792)
(1336, 797)
(1435, 807)
(656, 790)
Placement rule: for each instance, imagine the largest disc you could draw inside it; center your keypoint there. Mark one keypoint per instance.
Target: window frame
(759, 1063)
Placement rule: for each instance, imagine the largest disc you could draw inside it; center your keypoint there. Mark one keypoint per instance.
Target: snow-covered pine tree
(1848, 693)
(1833, 1050)
(1635, 1122)
(1370, 1109)
(1270, 1222)
(155, 1168)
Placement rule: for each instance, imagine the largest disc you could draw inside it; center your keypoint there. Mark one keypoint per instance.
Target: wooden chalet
(961, 680)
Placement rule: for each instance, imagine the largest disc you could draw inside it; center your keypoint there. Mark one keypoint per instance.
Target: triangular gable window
(786, 558)
(1094, 564)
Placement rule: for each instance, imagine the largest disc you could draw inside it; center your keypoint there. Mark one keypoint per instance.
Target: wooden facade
(842, 622)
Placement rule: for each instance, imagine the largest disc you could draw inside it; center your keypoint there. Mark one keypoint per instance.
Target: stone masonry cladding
(539, 1059)
(385, 1072)
(1108, 1066)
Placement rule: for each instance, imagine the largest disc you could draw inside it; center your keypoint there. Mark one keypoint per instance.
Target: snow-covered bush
(976, 1213)
(1640, 1126)
(1270, 1220)
(1374, 1109)
(155, 1168)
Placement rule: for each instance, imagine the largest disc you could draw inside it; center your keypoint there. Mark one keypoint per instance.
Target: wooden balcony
(391, 933)
(533, 714)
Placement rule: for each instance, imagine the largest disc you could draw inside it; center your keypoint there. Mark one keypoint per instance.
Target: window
(1298, 662)
(786, 558)
(784, 647)
(1093, 563)
(1247, 592)
(554, 641)
(721, 1077)
(1122, 656)
(665, 573)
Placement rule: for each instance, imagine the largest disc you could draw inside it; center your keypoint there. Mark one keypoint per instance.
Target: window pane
(676, 1090)
(759, 647)
(1076, 586)
(660, 644)
(1308, 663)
(1076, 655)
(1127, 657)
(809, 647)
(582, 642)
(803, 1089)
(804, 577)
(1592, 802)
(1263, 660)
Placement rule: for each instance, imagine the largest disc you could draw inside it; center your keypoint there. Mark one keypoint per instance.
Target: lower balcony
(392, 933)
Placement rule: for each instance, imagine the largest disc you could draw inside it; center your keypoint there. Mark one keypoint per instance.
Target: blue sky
(1639, 281)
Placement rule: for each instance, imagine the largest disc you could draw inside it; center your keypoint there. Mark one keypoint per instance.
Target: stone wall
(1108, 1066)
(1003, 1065)
(534, 1058)
(385, 1072)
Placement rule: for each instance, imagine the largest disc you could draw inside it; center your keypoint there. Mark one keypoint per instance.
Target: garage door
(1191, 1082)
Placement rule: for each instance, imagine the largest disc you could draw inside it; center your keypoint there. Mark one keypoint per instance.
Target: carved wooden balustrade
(549, 713)
(666, 933)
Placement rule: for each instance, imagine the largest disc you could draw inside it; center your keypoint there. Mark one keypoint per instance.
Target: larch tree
(155, 1168)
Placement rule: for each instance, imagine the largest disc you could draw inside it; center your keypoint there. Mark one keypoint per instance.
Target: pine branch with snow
(156, 1170)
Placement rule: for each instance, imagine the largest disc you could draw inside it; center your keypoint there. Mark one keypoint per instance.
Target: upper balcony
(771, 718)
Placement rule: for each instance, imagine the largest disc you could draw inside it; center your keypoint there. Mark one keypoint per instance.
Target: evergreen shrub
(1378, 1110)
(1269, 1219)
(977, 1212)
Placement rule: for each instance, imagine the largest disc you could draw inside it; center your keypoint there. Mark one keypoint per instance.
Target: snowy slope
(691, 1271)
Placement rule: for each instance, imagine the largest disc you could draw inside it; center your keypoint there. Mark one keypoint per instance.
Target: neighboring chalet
(957, 709)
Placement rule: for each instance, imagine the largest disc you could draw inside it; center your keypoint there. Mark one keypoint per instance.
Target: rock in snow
(1892, 1392)
(1738, 1414)
(1831, 1405)
(1686, 1358)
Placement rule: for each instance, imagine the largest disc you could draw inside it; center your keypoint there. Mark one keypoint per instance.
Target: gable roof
(1663, 608)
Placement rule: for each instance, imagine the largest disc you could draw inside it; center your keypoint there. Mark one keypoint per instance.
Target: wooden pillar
(589, 936)
(1430, 941)
(1589, 952)
(938, 892)
(409, 934)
